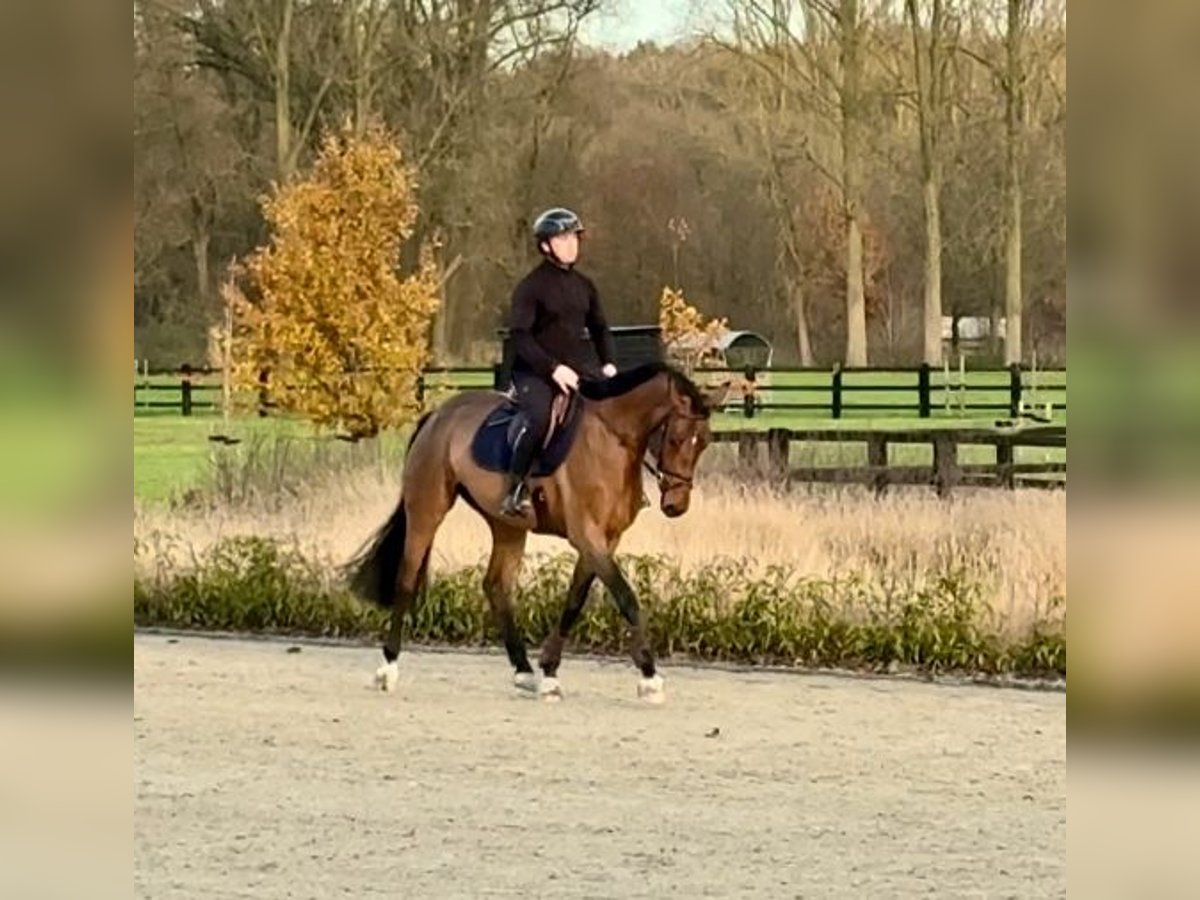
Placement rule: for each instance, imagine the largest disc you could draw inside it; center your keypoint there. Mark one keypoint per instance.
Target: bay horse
(590, 499)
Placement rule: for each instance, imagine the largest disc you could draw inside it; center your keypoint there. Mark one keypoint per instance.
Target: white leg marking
(652, 690)
(387, 676)
(550, 690)
(525, 681)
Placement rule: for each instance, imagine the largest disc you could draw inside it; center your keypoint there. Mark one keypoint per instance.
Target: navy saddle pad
(493, 443)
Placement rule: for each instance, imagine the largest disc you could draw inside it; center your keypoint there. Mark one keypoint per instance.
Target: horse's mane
(625, 381)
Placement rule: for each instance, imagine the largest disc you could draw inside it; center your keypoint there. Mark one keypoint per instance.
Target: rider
(551, 306)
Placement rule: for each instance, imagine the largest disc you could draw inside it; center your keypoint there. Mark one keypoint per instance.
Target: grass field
(173, 453)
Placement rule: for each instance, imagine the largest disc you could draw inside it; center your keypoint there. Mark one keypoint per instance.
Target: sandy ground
(263, 773)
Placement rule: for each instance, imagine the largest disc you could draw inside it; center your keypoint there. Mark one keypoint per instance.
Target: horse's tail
(375, 568)
(373, 572)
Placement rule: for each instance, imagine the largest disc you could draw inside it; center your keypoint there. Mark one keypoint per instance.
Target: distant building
(738, 349)
(974, 334)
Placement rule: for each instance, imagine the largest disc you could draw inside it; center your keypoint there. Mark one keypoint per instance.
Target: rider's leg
(535, 398)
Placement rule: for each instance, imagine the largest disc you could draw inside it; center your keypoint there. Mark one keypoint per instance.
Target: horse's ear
(715, 395)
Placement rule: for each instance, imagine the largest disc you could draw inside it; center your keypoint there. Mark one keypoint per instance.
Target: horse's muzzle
(673, 509)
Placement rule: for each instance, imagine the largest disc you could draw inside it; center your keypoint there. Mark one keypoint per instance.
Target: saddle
(492, 446)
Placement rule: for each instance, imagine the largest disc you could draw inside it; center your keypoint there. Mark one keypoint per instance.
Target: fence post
(264, 399)
(946, 473)
(185, 389)
(877, 459)
(749, 393)
(779, 440)
(498, 377)
(836, 405)
(1004, 462)
(1014, 390)
(923, 396)
(748, 451)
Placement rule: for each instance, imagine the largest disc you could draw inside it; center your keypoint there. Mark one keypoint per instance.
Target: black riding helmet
(555, 221)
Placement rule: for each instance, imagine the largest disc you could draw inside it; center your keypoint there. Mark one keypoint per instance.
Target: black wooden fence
(833, 394)
(844, 392)
(946, 472)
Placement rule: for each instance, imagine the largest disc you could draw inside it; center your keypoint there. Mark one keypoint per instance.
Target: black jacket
(551, 307)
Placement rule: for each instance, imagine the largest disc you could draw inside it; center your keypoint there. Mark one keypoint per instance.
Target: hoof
(525, 681)
(387, 676)
(652, 690)
(550, 690)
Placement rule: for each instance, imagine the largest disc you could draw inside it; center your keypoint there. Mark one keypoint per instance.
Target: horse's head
(677, 446)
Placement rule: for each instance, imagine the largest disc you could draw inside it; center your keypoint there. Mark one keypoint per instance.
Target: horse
(590, 498)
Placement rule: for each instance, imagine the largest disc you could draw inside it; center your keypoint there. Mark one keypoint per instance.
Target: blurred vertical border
(1133, 708)
(66, 287)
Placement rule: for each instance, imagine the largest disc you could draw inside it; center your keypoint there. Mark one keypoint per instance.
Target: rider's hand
(566, 378)
(609, 370)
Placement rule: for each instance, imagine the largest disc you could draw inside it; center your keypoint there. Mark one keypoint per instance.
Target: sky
(626, 22)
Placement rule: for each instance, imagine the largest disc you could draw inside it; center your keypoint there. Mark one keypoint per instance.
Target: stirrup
(516, 501)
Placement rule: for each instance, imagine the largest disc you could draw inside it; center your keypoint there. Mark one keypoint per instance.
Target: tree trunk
(360, 75)
(1014, 100)
(852, 150)
(200, 253)
(856, 304)
(803, 340)
(996, 312)
(928, 65)
(933, 272)
(441, 322)
(1012, 275)
(283, 97)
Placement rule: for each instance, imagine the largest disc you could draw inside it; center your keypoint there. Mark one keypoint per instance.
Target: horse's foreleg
(650, 688)
(577, 595)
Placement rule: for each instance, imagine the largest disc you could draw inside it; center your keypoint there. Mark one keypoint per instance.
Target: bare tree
(283, 48)
(933, 34)
(188, 172)
(1010, 69)
(1014, 132)
(743, 138)
(363, 25)
(815, 50)
(791, 257)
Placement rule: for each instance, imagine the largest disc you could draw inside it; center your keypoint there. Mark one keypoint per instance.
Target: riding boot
(516, 502)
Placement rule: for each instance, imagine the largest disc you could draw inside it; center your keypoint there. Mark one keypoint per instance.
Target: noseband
(657, 469)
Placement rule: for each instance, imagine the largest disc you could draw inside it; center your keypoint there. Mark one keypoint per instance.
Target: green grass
(169, 455)
(173, 454)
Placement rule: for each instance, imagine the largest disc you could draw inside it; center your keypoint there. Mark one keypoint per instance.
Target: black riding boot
(516, 502)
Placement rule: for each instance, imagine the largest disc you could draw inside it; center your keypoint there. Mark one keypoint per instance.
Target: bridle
(657, 469)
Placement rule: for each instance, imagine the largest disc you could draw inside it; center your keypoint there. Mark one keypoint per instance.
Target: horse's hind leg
(425, 513)
(407, 588)
(508, 547)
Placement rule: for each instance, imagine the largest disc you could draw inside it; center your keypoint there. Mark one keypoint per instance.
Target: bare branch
(988, 64)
